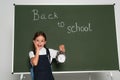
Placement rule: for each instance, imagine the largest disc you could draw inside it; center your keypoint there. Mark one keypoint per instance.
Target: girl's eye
(40, 41)
(37, 40)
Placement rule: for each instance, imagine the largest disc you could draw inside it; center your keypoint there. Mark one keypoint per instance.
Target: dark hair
(39, 33)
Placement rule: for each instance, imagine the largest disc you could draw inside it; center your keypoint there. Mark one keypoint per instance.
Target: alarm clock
(61, 57)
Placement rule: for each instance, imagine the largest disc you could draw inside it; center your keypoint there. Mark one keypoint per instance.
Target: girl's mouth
(39, 45)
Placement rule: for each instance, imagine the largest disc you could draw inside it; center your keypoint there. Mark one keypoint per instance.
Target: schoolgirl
(39, 57)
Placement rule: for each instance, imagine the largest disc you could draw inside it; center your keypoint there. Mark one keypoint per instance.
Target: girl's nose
(40, 42)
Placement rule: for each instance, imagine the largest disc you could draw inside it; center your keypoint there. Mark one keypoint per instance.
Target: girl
(39, 59)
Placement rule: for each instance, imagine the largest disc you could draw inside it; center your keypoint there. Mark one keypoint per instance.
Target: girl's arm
(53, 52)
(34, 60)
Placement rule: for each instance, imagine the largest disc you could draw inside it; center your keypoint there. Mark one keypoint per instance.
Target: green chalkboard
(87, 31)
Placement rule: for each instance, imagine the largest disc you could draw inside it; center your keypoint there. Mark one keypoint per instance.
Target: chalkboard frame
(76, 24)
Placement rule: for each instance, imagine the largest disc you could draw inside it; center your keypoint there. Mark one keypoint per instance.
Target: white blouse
(53, 53)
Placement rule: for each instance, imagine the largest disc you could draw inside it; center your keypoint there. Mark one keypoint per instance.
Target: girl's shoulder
(51, 49)
(31, 52)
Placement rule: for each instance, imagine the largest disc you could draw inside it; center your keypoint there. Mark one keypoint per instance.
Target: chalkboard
(87, 31)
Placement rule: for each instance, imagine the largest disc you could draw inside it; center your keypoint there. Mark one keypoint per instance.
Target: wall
(6, 39)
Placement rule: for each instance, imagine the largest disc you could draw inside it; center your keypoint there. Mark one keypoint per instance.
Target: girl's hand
(37, 48)
(62, 48)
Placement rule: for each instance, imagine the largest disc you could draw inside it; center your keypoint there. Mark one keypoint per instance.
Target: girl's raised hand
(62, 48)
(37, 48)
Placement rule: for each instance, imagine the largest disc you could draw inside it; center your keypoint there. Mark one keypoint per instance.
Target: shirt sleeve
(53, 53)
(31, 54)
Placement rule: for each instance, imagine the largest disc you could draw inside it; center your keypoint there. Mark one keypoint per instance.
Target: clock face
(61, 58)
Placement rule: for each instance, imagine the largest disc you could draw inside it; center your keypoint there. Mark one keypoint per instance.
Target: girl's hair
(39, 33)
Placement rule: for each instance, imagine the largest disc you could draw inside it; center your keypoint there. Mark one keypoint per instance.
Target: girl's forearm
(34, 60)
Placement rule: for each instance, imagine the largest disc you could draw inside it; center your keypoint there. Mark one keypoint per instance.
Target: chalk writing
(42, 16)
(37, 16)
(75, 27)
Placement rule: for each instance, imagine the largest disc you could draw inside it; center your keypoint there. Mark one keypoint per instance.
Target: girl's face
(40, 41)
